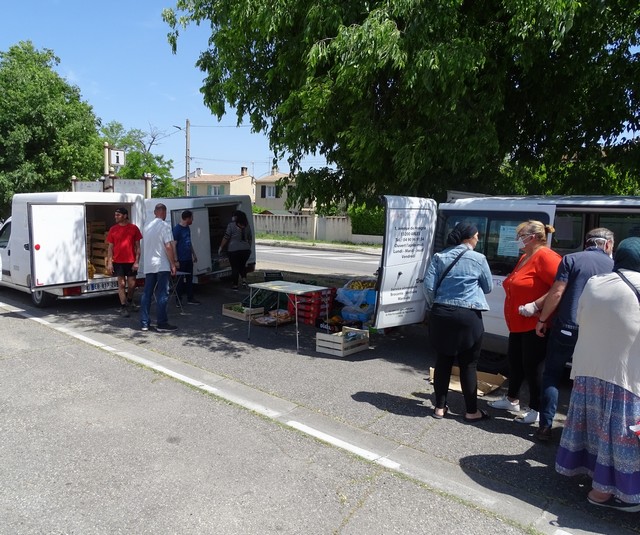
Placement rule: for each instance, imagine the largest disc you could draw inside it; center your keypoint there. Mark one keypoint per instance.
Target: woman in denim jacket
(455, 325)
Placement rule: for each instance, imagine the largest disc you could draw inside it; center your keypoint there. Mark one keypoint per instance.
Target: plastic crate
(309, 309)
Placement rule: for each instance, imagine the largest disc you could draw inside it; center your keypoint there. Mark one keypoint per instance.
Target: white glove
(528, 310)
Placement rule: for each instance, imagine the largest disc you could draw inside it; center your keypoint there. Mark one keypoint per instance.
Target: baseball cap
(122, 211)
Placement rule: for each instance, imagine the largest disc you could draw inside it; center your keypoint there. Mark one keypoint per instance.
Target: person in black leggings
(456, 282)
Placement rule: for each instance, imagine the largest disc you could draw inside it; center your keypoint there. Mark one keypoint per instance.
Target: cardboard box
(344, 343)
(246, 315)
(487, 382)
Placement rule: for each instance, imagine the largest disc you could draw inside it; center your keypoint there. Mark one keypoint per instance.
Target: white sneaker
(505, 404)
(529, 417)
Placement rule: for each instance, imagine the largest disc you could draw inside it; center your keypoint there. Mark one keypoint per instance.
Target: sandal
(438, 416)
(484, 415)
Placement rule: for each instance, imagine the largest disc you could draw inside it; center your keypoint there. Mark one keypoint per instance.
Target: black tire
(42, 299)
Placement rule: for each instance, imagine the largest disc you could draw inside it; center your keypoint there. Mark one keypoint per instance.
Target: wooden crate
(340, 345)
(244, 316)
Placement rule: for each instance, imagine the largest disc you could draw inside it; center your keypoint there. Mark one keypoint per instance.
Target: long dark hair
(241, 218)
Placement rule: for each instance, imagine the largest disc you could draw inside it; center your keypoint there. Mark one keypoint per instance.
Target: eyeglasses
(520, 236)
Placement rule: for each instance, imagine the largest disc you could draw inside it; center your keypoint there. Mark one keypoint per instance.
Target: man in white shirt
(159, 265)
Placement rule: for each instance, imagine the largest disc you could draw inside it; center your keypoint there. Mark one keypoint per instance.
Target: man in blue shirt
(186, 257)
(562, 300)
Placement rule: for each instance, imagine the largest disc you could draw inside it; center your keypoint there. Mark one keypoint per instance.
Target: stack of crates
(313, 305)
(97, 244)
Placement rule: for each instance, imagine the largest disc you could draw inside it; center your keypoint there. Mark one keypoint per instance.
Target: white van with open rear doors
(53, 245)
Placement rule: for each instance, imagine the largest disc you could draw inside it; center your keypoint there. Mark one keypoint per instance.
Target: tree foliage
(47, 133)
(140, 160)
(414, 97)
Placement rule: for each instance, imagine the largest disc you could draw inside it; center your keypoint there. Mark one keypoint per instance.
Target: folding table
(292, 290)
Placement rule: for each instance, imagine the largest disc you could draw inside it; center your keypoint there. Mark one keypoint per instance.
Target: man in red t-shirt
(123, 256)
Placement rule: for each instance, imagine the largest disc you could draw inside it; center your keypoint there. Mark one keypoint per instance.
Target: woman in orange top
(526, 288)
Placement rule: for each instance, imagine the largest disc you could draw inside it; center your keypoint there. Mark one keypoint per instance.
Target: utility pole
(187, 158)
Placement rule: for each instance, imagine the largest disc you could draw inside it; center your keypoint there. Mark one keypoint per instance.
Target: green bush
(368, 221)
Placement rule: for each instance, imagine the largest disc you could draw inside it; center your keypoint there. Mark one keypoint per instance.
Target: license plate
(102, 286)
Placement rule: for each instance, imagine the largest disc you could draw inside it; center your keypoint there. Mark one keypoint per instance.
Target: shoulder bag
(629, 284)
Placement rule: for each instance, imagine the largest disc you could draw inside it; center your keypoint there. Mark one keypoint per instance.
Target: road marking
(228, 396)
(339, 443)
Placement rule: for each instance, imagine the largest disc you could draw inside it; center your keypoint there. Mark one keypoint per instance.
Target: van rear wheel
(42, 299)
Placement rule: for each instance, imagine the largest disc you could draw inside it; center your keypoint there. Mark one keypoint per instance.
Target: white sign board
(126, 185)
(81, 185)
(408, 240)
(116, 157)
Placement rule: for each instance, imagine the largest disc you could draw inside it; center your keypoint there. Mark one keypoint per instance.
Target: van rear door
(201, 240)
(58, 245)
(408, 241)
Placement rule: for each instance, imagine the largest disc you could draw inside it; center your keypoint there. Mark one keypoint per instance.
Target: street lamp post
(187, 157)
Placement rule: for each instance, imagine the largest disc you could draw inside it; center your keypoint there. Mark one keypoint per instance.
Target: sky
(118, 55)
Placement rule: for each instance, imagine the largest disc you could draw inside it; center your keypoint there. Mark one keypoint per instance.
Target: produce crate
(247, 314)
(321, 323)
(344, 343)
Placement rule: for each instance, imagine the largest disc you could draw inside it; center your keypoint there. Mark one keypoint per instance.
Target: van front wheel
(42, 299)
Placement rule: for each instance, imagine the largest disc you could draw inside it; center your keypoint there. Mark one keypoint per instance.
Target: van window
(497, 232)
(5, 234)
(622, 225)
(569, 235)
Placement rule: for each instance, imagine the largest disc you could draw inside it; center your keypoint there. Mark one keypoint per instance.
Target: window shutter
(193, 190)
(209, 189)
(221, 189)
(278, 192)
(263, 192)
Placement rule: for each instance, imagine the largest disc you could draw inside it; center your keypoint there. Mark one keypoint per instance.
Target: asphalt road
(107, 429)
(342, 263)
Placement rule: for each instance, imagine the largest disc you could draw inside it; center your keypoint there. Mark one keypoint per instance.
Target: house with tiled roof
(201, 183)
(273, 197)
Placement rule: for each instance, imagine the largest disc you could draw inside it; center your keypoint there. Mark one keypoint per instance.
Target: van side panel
(496, 227)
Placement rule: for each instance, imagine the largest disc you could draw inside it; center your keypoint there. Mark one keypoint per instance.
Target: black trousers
(526, 354)
(456, 334)
(238, 261)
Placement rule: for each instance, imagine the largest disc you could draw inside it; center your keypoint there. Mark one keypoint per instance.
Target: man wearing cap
(123, 256)
(559, 315)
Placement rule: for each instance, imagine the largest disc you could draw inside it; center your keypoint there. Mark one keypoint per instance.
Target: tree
(47, 133)
(408, 97)
(140, 160)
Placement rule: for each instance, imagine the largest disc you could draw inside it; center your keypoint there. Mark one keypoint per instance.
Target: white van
(47, 244)
(211, 215)
(415, 228)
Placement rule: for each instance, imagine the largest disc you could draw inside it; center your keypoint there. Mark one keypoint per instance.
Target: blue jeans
(559, 351)
(160, 283)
